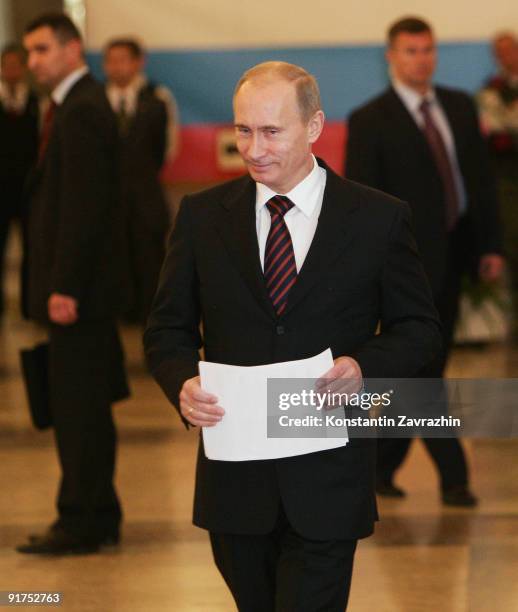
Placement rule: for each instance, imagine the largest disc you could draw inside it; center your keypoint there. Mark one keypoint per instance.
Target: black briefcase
(35, 368)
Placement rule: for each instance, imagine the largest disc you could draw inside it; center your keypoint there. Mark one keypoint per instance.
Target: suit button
(280, 330)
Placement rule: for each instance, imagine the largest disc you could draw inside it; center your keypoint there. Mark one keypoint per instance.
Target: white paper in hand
(241, 435)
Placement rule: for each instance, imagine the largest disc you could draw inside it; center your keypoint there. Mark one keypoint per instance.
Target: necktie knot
(279, 205)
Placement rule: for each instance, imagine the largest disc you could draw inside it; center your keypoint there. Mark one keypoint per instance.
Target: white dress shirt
(412, 101)
(59, 93)
(301, 220)
(130, 95)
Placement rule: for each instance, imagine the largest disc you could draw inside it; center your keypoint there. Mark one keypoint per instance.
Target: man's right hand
(199, 407)
(62, 309)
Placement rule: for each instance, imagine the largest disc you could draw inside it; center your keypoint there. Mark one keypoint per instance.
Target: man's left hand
(344, 377)
(491, 267)
(62, 309)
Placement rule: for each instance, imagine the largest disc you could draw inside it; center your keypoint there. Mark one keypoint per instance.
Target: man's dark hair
(409, 25)
(16, 49)
(61, 25)
(133, 46)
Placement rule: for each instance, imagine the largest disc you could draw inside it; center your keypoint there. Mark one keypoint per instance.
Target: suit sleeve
(160, 134)
(172, 338)
(87, 197)
(362, 159)
(172, 120)
(410, 332)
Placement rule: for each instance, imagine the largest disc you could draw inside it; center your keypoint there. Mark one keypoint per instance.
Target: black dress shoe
(459, 496)
(59, 542)
(387, 489)
(110, 538)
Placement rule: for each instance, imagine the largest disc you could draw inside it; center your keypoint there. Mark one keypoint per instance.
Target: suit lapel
(237, 228)
(407, 128)
(331, 237)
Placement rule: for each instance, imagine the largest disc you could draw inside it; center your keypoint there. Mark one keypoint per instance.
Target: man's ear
(315, 126)
(74, 49)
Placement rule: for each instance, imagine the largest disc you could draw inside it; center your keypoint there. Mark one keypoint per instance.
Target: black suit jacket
(76, 230)
(18, 148)
(388, 151)
(143, 151)
(361, 268)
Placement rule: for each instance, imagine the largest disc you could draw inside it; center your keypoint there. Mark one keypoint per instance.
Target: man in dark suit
(148, 125)
(280, 265)
(75, 285)
(422, 144)
(18, 145)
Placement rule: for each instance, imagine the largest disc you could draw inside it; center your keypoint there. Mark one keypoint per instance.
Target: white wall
(250, 23)
(6, 29)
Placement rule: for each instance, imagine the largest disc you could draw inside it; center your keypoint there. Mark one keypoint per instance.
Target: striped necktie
(443, 163)
(280, 270)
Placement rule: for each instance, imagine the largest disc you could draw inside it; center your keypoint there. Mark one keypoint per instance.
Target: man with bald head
(279, 265)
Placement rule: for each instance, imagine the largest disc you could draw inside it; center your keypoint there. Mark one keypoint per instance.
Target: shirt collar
(303, 195)
(135, 85)
(410, 97)
(60, 92)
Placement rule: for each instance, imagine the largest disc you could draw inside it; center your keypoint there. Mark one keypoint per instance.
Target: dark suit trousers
(147, 252)
(283, 572)
(446, 453)
(86, 373)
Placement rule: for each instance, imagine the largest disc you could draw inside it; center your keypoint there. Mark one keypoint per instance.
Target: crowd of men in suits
(82, 174)
(277, 265)
(148, 126)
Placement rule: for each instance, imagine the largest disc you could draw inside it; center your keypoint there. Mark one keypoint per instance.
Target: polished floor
(423, 557)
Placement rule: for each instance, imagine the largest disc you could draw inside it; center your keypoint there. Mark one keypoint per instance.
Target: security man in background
(148, 125)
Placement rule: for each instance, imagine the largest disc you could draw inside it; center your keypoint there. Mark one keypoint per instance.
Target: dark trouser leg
(446, 453)
(5, 222)
(24, 271)
(391, 453)
(84, 360)
(284, 572)
(148, 224)
(314, 576)
(149, 251)
(449, 459)
(247, 564)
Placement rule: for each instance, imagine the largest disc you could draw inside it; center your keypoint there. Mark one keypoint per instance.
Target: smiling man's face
(272, 136)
